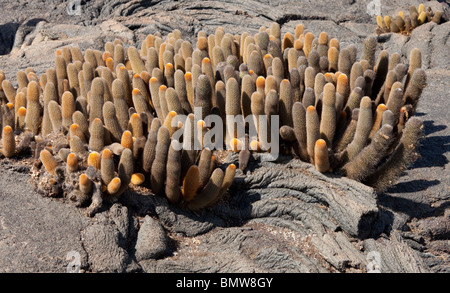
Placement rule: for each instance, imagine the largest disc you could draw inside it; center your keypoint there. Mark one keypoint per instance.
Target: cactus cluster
(102, 121)
(355, 120)
(405, 23)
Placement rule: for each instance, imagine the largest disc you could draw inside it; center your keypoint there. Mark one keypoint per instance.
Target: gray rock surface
(151, 240)
(274, 219)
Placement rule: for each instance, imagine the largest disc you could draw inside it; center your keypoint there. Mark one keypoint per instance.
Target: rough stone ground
(276, 218)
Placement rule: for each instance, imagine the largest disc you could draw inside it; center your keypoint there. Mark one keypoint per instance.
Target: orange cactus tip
(260, 81)
(254, 145)
(206, 60)
(10, 105)
(235, 144)
(135, 116)
(22, 111)
(94, 160)
(137, 178)
(74, 127)
(169, 66)
(311, 109)
(267, 56)
(127, 139)
(188, 76)
(72, 160)
(122, 68)
(58, 52)
(114, 185)
(163, 87)
(84, 179)
(126, 133)
(71, 156)
(109, 59)
(232, 166)
(321, 143)
(136, 75)
(136, 91)
(201, 124)
(107, 153)
(153, 80)
(298, 44)
(7, 129)
(381, 107)
(342, 78)
(251, 72)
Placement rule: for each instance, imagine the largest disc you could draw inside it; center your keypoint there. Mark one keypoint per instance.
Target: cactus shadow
(408, 206)
(434, 148)
(430, 127)
(433, 152)
(413, 186)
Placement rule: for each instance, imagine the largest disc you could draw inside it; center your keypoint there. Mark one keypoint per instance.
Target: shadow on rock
(7, 36)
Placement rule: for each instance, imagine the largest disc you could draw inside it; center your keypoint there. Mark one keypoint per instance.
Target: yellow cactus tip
(310, 109)
(254, 145)
(94, 160)
(201, 124)
(7, 129)
(74, 127)
(321, 143)
(421, 8)
(137, 178)
(235, 144)
(260, 81)
(84, 179)
(22, 111)
(107, 153)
